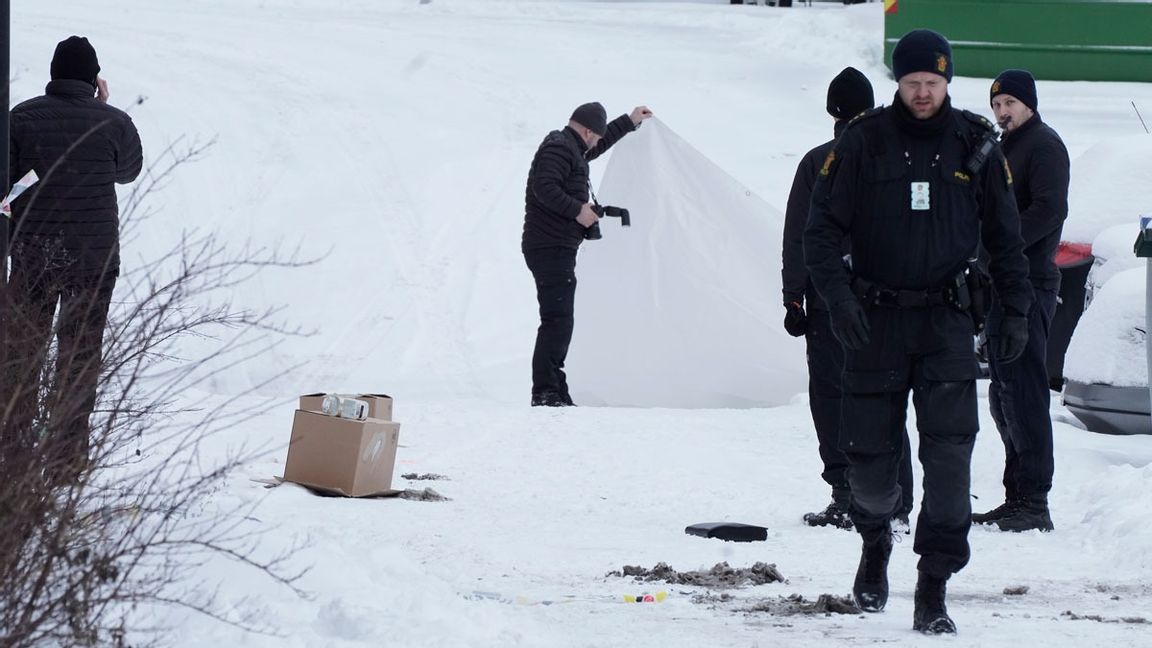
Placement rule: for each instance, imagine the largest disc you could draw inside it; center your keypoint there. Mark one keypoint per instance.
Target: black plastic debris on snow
(729, 531)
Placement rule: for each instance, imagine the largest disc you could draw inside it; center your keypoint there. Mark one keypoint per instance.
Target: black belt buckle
(886, 297)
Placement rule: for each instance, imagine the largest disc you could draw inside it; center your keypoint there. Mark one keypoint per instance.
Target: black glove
(1013, 338)
(850, 324)
(795, 321)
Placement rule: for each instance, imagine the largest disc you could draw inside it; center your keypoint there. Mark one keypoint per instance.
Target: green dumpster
(1090, 40)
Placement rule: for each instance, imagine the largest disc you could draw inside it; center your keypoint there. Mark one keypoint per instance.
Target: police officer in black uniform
(1018, 393)
(557, 213)
(914, 187)
(806, 314)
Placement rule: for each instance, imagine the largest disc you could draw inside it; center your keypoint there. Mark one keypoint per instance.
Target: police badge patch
(828, 163)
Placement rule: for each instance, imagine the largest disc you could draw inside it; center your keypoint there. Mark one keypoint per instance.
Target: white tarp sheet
(683, 309)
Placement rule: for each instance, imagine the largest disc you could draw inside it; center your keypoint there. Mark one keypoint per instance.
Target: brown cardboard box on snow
(342, 456)
(379, 405)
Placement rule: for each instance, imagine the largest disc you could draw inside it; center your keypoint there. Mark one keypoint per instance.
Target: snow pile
(1113, 251)
(1111, 185)
(1108, 346)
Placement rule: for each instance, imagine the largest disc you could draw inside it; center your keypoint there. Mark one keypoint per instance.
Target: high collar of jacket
(839, 127)
(1016, 134)
(580, 145)
(70, 88)
(930, 127)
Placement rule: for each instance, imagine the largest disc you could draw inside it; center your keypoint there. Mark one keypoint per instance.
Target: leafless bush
(100, 524)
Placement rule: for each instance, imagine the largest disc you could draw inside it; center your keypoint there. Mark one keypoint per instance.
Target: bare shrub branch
(115, 514)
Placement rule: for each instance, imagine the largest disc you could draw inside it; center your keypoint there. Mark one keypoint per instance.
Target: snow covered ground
(392, 138)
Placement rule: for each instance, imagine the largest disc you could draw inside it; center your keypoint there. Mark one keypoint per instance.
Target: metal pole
(1147, 323)
(6, 70)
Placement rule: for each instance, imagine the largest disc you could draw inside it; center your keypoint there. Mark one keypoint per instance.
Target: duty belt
(878, 295)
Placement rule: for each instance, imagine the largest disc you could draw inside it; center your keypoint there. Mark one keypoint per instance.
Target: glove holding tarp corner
(20, 187)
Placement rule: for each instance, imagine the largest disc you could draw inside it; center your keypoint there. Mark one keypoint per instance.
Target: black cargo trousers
(825, 368)
(38, 292)
(554, 271)
(1019, 398)
(927, 351)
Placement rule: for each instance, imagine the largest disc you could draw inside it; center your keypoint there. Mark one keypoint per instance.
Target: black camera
(603, 211)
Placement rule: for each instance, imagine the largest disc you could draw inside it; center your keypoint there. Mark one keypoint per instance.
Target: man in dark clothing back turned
(64, 251)
(806, 314)
(557, 213)
(1018, 393)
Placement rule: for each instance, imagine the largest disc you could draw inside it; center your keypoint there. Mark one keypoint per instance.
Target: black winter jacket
(863, 192)
(80, 147)
(1040, 173)
(558, 186)
(797, 286)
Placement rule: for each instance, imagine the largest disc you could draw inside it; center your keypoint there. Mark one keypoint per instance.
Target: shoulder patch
(1007, 171)
(867, 114)
(978, 120)
(824, 170)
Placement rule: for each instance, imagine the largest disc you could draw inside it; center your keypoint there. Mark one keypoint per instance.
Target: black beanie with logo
(1019, 84)
(922, 50)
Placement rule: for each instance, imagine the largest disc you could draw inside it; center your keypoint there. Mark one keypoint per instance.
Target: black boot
(1028, 515)
(1004, 510)
(550, 399)
(835, 514)
(931, 615)
(871, 586)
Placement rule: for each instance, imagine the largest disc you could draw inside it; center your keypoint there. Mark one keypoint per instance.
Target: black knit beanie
(1019, 84)
(849, 94)
(922, 50)
(75, 59)
(592, 116)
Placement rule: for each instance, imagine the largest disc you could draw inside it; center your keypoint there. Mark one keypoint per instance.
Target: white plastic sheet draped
(683, 309)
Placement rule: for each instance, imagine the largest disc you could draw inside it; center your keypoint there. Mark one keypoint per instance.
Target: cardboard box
(342, 456)
(379, 405)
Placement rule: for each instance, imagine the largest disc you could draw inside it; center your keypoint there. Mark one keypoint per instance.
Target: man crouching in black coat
(557, 212)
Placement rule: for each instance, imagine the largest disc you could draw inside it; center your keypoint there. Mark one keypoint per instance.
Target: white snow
(392, 139)
(1110, 186)
(1113, 251)
(1109, 345)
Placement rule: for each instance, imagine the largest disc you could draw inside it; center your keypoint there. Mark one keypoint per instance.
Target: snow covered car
(1106, 366)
